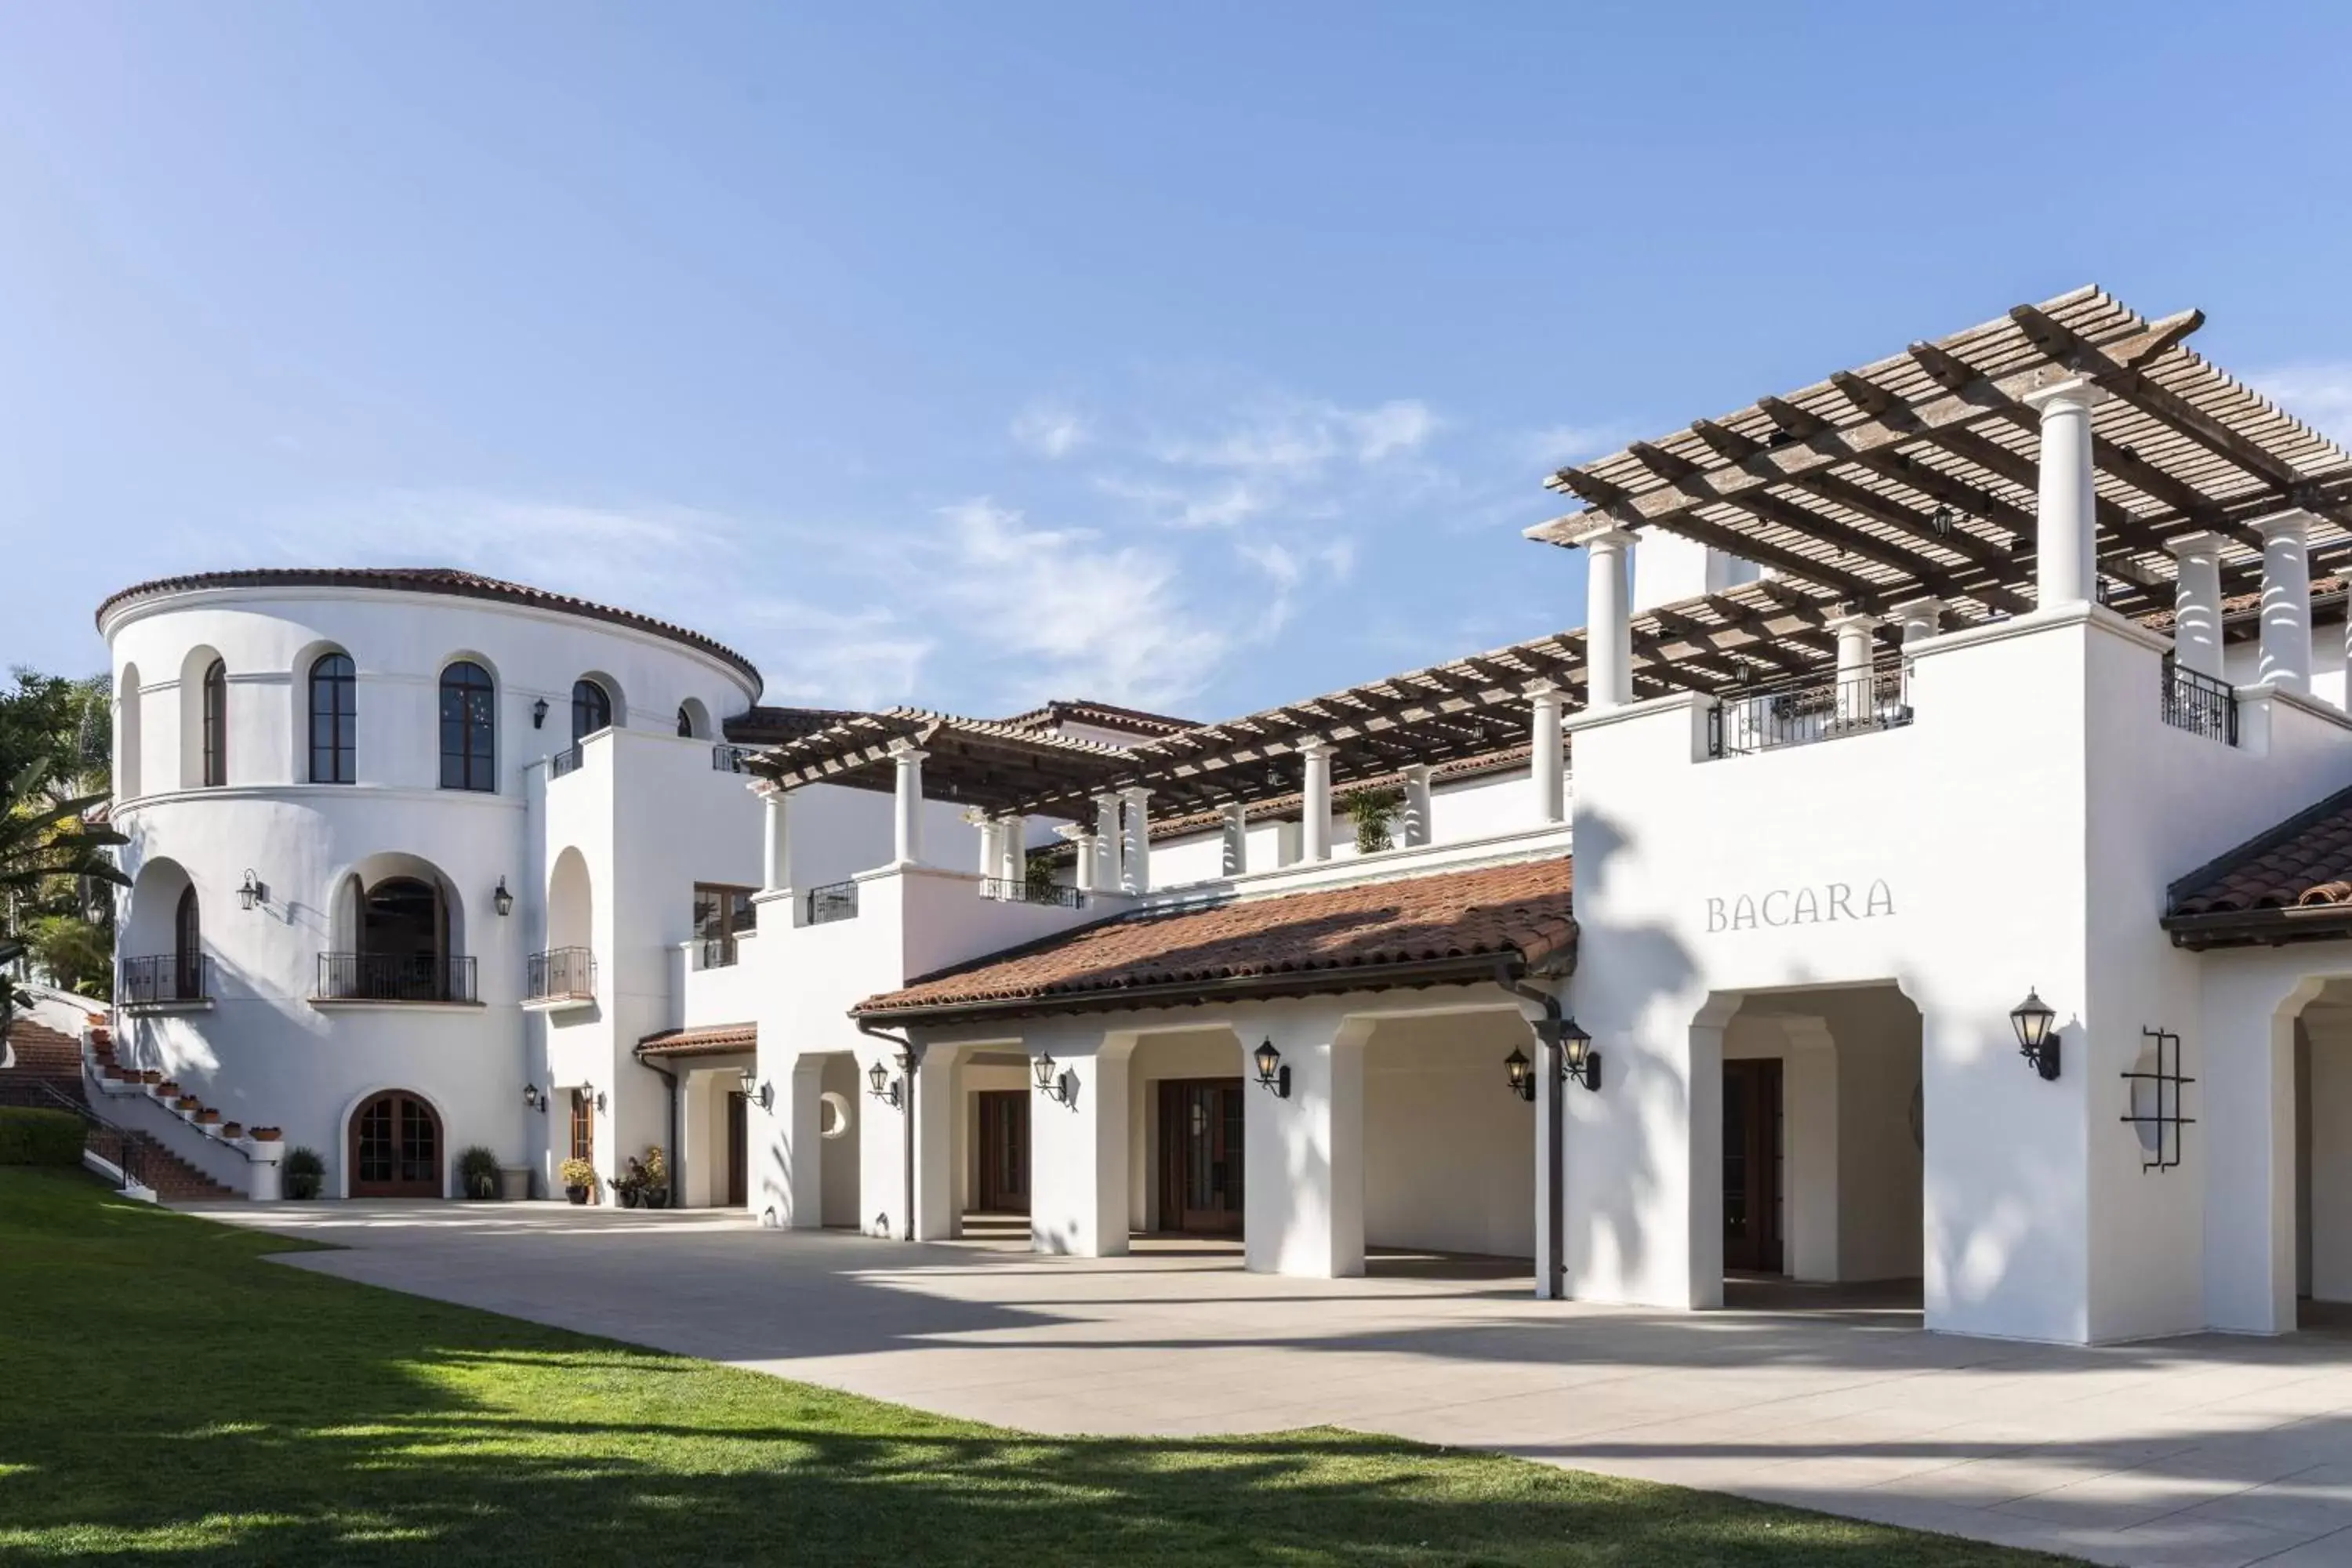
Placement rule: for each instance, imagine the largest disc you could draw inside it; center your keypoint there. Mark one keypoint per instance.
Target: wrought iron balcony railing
(165, 977)
(2200, 704)
(1007, 891)
(395, 977)
(833, 901)
(1799, 711)
(560, 974)
(714, 953)
(566, 761)
(727, 759)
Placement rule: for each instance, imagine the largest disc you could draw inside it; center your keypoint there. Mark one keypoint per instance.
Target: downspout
(914, 1055)
(1509, 973)
(677, 1169)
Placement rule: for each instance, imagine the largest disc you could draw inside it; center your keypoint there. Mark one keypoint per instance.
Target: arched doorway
(395, 1148)
(403, 941)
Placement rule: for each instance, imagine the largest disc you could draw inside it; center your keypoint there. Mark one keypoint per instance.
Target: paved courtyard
(2208, 1450)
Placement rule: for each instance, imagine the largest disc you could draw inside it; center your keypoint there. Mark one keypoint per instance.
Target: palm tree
(42, 836)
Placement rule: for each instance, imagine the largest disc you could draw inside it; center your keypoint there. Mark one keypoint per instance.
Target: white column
(1083, 838)
(1310, 1221)
(1416, 805)
(1921, 618)
(1315, 815)
(2286, 601)
(1012, 848)
(1106, 877)
(1237, 838)
(1608, 624)
(1135, 858)
(2197, 604)
(2066, 516)
(1855, 651)
(1548, 768)
(909, 816)
(991, 852)
(776, 844)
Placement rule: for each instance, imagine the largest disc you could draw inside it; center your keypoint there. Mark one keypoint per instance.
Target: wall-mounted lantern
(1270, 1073)
(502, 900)
(1578, 1059)
(763, 1094)
(1517, 1070)
(538, 713)
(252, 891)
(882, 1086)
(1061, 1088)
(533, 1098)
(589, 1092)
(2037, 1042)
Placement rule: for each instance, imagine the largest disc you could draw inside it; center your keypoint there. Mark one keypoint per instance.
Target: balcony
(2200, 704)
(165, 982)
(566, 761)
(1803, 711)
(833, 901)
(1052, 894)
(403, 978)
(559, 978)
(714, 953)
(727, 759)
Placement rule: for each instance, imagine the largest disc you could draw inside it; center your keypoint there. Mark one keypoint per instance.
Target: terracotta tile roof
(711, 1040)
(2291, 883)
(1412, 930)
(427, 580)
(1101, 715)
(766, 726)
(2241, 612)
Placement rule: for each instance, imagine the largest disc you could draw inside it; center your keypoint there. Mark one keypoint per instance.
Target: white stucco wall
(1449, 1151)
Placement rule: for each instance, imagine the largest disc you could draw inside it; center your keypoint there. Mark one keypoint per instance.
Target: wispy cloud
(2319, 395)
(1556, 446)
(1050, 429)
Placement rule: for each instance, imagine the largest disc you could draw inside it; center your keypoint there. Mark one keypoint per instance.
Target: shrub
(29, 1137)
(302, 1173)
(477, 1172)
(1374, 812)
(656, 1168)
(577, 1173)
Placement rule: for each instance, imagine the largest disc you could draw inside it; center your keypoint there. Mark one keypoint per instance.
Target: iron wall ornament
(502, 900)
(1061, 1088)
(1578, 1059)
(2156, 1108)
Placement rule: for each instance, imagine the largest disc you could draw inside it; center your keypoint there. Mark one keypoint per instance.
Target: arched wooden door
(395, 1148)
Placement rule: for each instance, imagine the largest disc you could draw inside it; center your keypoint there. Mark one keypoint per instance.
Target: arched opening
(568, 966)
(693, 720)
(215, 735)
(399, 934)
(126, 734)
(187, 946)
(592, 709)
(395, 1148)
(203, 712)
(160, 945)
(469, 727)
(335, 719)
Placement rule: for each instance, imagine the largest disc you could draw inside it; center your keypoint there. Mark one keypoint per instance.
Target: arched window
(684, 722)
(469, 727)
(188, 948)
(404, 933)
(335, 719)
(592, 709)
(216, 725)
(126, 736)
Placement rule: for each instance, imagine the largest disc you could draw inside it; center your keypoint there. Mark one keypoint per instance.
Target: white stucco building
(1694, 943)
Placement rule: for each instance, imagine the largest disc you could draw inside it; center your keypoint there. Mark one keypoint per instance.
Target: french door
(395, 1149)
(1751, 1165)
(1004, 1186)
(1200, 1156)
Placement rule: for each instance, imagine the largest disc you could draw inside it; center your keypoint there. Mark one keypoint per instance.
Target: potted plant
(477, 1172)
(149, 1074)
(208, 1117)
(302, 1173)
(630, 1185)
(232, 1130)
(579, 1179)
(267, 1135)
(1374, 813)
(656, 1170)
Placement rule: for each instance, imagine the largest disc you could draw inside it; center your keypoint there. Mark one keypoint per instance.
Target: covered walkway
(2212, 1450)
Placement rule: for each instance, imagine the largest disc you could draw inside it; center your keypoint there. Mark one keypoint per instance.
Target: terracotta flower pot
(267, 1135)
(232, 1129)
(156, 1080)
(189, 1103)
(207, 1118)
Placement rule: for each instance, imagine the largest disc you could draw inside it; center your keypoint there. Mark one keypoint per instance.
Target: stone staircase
(48, 1075)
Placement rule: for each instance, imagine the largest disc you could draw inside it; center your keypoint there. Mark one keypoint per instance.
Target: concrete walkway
(2209, 1451)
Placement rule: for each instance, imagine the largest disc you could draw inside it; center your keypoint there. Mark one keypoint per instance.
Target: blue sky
(1201, 356)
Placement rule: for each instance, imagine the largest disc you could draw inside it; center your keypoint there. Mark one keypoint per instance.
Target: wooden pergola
(994, 766)
(1915, 478)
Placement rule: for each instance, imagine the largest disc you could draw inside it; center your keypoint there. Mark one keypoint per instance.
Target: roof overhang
(992, 766)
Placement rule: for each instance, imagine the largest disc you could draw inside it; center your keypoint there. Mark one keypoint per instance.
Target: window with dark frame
(216, 725)
(335, 719)
(721, 913)
(469, 727)
(592, 709)
(188, 948)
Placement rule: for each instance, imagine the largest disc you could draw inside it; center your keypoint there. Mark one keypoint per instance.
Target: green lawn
(165, 1396)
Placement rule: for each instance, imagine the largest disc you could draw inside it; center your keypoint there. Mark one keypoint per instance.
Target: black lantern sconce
(1520, 1074)
(2037, 1042)
(882, 1086)
(538, 713)
(533, 1098)
(502, 900)
(1270, 1073)
(1061, 1088)
(763, 1094)
(252, 891)
(1578, 1059)
(593, 1096)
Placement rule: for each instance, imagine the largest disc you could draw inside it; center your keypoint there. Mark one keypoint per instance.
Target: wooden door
(739, 1143)
(1003, 1185)
(395, 1149)
(1751, 1165)
(1200, 1156)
